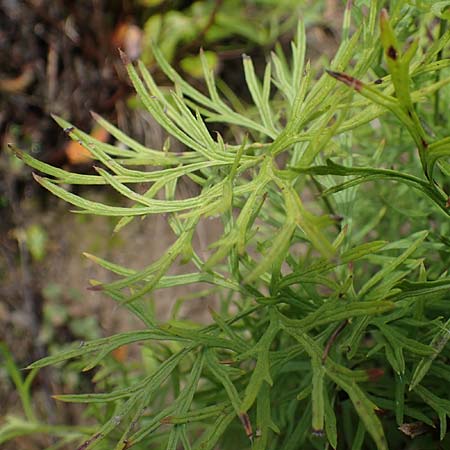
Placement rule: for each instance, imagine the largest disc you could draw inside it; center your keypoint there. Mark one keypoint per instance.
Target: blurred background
(60, 57)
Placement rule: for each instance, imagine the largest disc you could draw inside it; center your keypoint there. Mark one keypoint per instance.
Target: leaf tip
(350, 81)
(18, 153)
(245, 419)
(124, 57)
(96, 288)
(37, 178)
(94, 115)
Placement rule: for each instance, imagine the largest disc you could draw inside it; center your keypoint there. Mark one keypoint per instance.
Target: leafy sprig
(300, 333)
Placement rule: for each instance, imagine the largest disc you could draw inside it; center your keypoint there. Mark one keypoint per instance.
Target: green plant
(15, 426)
(333, 324)
(218, 26)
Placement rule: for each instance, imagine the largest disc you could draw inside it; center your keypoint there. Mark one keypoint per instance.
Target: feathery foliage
(333, 323)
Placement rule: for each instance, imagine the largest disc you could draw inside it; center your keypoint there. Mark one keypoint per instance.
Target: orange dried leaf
(120, 354)
(77, 154)
(19, 83)
(128, 37)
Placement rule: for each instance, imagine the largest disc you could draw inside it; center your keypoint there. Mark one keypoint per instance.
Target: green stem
(442, 29)
(326, 201)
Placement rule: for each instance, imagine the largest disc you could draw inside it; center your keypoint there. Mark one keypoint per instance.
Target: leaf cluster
(321, 326)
